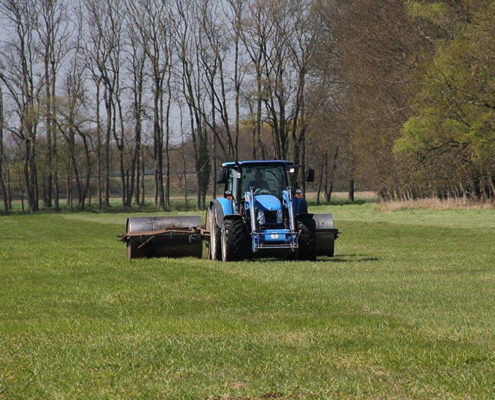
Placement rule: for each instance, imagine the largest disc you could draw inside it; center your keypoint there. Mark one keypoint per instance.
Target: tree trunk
(184, 169)
(351, 190)
(9, 189)
(138, 92)
(138, 175)
(108, 106)
(98, 146)
(53, 126)
(22, 197)
(331, 175)
(29, 175)
(84, 193)
(237, 83)
(2, 179)
(47, 197)
(68, 184)
(158, 144)
(320, 181)
(258, 108)
(120, 143)
(143, 172)
(167, 139)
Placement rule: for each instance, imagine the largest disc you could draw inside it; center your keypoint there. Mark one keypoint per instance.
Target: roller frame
(163, 237)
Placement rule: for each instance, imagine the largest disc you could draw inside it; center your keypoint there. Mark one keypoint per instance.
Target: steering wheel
(261, 191)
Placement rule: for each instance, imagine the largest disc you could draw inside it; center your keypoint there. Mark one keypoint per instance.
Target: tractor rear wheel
(307, 239)
(235, 240)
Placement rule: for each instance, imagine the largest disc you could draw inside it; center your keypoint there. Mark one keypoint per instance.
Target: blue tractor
(259, 214)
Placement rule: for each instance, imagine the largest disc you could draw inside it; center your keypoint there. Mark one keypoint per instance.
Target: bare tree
(257, 28)
(236, 10)
(53, 33)
(186, 34)
(102, 41)
(115, 16)
(276, 75)
(137, 58)
(72, 125)
(213, 49)
(17, 72)
(150, 23)
(2, 179)
(302, 36)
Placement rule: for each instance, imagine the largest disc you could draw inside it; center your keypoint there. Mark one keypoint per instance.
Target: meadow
(406, 310)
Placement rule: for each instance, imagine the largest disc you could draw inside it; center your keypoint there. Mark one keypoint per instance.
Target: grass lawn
(406, 309)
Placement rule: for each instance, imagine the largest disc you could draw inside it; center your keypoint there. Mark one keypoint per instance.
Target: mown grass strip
(402, 311)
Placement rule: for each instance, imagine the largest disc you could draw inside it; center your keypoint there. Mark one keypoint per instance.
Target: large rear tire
(234, 240)
(307, 239)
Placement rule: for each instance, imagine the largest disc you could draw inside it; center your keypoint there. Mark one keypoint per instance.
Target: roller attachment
(325, 234)
(163, 237)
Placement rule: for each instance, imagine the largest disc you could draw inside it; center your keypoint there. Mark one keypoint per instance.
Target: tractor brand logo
(274, 236)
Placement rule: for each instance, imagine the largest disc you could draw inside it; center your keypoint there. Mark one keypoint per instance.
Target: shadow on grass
(344, 258)
(350, 258)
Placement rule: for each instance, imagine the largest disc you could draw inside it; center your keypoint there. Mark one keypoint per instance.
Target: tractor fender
(223, 207)
(232, 216)
(303, 216)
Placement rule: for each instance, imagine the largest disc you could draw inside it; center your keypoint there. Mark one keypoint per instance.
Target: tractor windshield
(264, 179)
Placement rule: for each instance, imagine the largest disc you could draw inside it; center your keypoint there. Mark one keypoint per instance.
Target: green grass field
(405, 310)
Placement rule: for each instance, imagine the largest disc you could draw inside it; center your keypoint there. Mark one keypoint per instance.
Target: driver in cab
(259, 182)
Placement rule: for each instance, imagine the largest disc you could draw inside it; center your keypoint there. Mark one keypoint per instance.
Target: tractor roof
(251, 162)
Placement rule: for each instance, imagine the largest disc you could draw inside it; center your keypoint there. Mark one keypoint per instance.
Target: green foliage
(455, 106)
(420, 134)
(437, 13)
(405, 310)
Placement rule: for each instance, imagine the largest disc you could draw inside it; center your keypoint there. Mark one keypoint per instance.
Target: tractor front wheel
(307, 239)
(234, 239)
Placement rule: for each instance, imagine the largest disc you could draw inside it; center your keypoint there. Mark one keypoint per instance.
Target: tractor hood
(267, 202)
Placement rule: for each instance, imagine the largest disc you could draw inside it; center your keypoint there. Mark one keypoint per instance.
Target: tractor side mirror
(221, 175)
(310, 175)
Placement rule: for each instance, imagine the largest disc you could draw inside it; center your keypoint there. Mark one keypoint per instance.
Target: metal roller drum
(325, 234)
(163, 237)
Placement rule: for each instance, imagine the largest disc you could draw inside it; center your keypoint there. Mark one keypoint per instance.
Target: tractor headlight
(280, 216)
(261, 217)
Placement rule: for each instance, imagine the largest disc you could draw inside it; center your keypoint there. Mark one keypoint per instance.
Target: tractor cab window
(264, 179)
(233, 182)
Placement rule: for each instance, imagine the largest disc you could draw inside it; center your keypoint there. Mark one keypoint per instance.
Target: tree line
(392, 96)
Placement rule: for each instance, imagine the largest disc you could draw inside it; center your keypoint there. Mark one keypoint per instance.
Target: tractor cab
(270, 177)
(270, 180)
